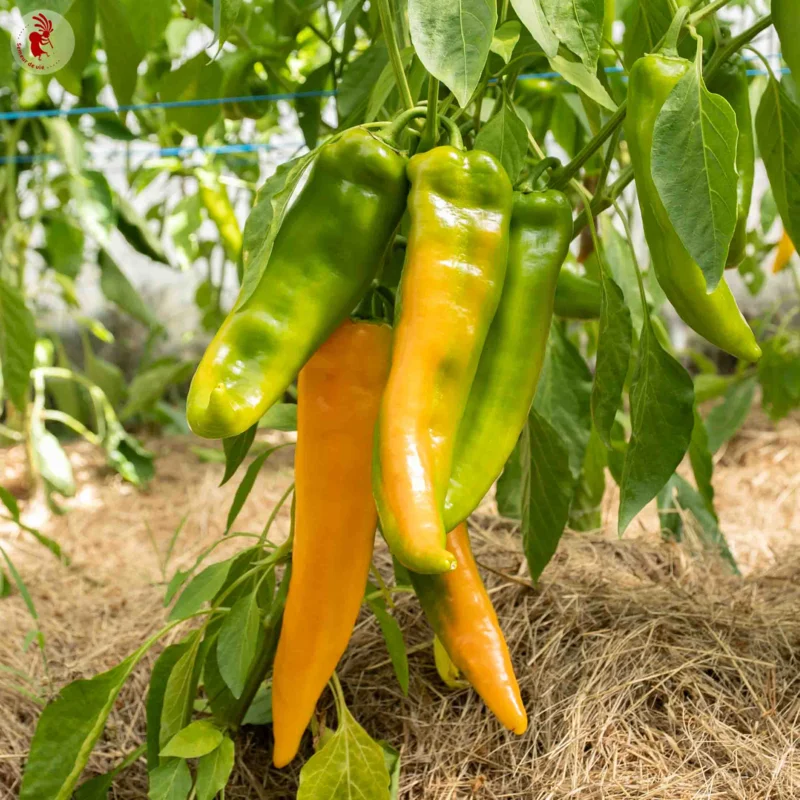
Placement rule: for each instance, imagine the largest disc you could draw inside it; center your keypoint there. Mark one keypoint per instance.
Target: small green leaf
(171, 781)
(237, 642)
(52, 461)
(382, 87)
(697, 130)
(280, 417)
(702, 463)
(260, 711)
(200, 590)
(662, 418)
(10, 502)
(134, 227)
(576, 73)
(179, 694)
(197, 79)
(159, 677)
(508, 493)
(194, 741)
(452, 39)
(214, 769)
(246, 486)
(725, 419)
(547, 488)
(506, 138)
(17, 344)
(505, 39)
(120, 291)
(349, 765)
(579, 26)
(148, 387)
(236, 449)
(392, 635)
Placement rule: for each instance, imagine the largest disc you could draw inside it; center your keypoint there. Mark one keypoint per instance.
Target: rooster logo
(41, 36)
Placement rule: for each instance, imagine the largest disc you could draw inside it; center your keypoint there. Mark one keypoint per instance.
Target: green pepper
(505, 383)
(731, 83)
(328, 250)
(577, 297)
(460, 209)
(715, 316)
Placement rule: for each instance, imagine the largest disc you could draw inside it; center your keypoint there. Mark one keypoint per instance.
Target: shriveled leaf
(452, 39)
(662, 418)
(694, 169)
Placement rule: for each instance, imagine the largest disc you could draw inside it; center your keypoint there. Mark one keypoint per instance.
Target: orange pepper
(784, 253)
(338, 396)
(461, 614)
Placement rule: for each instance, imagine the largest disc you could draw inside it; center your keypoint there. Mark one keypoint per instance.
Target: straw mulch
(648, 670)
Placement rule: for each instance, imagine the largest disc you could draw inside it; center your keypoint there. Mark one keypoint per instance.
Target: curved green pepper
(460, 208)
(325, 255)
(508, 372)
(715, 316)
(577, 297)
(731, 83)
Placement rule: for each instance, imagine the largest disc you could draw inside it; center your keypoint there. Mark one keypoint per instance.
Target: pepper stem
(551, 162)
(670, 46)
(392, 133)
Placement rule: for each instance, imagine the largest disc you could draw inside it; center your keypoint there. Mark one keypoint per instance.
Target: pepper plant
(486, 100)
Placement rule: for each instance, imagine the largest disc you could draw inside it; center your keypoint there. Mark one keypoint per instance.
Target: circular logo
(44, 43)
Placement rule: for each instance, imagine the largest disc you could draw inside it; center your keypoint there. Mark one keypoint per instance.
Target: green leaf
(82, 18)
(236, 450)
(122, 53)
(778, 132)
(505, 39)
(585, 513)
(265, 220)
(579, 26)
(725, 419)
(662, 418)
(201, 589)
(176, 711)
(17, 344)
(547, 488)
(159, 677)
(120, 291)
(133, 226)
(197, 79)
(579, 75)
(613, 357)
(563, 397)
(350, 765)
(171, 781)
(260, 711)
(309, 109)
(702, 463)
(533, 18)
(181, 226)
(694, 169)
(10, 502)
(392, 635)
(214, 769)
(225, 14)
(64, 241)
(246, 486)
(51, 460)
(506, 138)
(452, 39)
(197, 739)
(651, 19)
(68, 730)
(357, 82)
(779, 375)
(237, 642)
(348, 7)
(148, 387)
(787, 24)
(382, 88)
(509, 486)
(280, 417)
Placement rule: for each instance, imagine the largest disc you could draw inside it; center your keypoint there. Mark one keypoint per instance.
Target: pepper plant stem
(385, 12)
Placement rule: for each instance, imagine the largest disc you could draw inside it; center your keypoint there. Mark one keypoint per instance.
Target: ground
(647, 668)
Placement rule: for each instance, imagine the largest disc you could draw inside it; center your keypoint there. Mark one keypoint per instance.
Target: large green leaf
(651, 19)
(197, 79)
(82, 18)
(506, 138)
(694, 169)
(17, 344)
(452, 39)
(350, 765)
(533, 18)
(786, 18)
(122, 53)
(778, 132)
(578, 25)
(662, 418)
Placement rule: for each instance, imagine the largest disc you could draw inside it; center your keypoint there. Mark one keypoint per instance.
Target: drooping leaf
(17, 344)
(236, 450)
(452, 39)
(82, 18)
(662, 418)
(579, 26)
(349, 765)
(547, 488)
(694, 169)
(214, 769)
(225, 14)
(506, 138)
(120, 291)
(133, 226)
(533, 18)
(309, 109)
(196, 740)
(778, 132)
(392, 635)
(585, 512)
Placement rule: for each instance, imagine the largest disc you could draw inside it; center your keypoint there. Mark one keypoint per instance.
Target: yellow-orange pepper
(461, 614)
(338, 395)
(784, 253)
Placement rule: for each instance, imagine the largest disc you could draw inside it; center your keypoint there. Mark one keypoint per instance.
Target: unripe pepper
(460, 612)
(338, 395)
(715, 316)
(508, 372)
(328, 250)
(460, 208)
(577, 297)
(730, 82)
